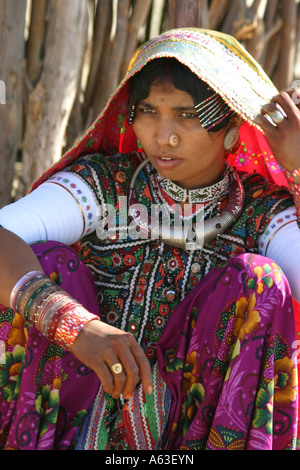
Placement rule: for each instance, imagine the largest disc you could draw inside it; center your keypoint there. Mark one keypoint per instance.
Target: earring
(231, 138)
(131, 114)
(173, 139)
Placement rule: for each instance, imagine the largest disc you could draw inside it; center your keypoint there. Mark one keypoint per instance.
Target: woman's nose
(163, 131)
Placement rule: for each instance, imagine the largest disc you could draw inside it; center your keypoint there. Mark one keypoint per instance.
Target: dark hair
(159, 70)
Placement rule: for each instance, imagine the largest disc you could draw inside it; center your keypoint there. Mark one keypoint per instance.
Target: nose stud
(173, 139)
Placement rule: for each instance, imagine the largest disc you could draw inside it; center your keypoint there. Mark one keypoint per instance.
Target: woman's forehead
(167, 92)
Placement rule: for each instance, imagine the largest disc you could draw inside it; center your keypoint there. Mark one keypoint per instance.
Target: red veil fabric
(255, 155)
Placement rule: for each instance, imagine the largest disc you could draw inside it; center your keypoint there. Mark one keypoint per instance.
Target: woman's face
(198, 159)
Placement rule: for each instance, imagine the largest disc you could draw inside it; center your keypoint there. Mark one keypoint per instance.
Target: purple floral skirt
(226, 357)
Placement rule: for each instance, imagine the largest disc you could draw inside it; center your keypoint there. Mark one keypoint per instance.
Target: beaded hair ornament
(212, 111)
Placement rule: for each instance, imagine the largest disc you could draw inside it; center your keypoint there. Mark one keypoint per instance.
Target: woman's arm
(98, 346)
(62, 209)
(16, 260)
(284, 138)
(281, 243)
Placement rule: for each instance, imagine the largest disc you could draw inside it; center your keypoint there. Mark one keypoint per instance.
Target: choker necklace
(194, 196)
(181, 237)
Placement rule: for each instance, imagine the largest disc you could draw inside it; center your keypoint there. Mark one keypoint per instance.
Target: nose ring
(173, 139)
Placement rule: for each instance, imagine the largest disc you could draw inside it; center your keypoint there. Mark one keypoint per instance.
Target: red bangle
(70, 325)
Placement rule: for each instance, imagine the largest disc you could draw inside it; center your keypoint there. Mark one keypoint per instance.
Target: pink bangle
(50, 307)
(70, 325)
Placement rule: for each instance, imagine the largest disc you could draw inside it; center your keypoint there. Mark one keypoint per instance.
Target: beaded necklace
(194, 196)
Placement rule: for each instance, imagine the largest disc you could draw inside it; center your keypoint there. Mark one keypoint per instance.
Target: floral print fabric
(226, 356)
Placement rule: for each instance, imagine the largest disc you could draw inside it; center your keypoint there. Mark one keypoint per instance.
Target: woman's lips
(167, 162)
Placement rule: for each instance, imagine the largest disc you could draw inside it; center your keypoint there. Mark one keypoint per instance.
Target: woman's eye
(147, 110)
(189, 115)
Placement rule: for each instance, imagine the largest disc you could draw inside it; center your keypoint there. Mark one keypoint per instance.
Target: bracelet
(31, 276)
(50, 314)
(25, 292)
(41, 292)
(45, 315)
(71, 324)
(57, 315)
(36, 300)
(44, 309)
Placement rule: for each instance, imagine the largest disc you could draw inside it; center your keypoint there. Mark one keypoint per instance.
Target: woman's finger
(118, 375)
(101, 347)
(132, 373)
(134, 362)
(144, 367)
(287, 104)
(268, 128)
(105, 378)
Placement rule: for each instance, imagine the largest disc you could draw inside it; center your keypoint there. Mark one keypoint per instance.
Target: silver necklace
(180, 236)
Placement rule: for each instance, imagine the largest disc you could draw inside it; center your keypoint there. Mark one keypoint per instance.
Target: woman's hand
(284, 139)
(100, 346)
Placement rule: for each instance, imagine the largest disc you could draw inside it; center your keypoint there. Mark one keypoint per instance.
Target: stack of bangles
(57, 315)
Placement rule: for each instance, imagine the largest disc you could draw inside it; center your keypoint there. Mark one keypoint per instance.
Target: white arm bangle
(83, 197)
(281, 243)
(61, 209)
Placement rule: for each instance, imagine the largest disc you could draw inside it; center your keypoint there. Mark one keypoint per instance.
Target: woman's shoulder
(107, 175)
(107, 164)
(263, 199)
(257, 185)
(96, 168)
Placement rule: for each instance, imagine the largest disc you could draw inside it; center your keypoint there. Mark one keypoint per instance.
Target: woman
(195, 348)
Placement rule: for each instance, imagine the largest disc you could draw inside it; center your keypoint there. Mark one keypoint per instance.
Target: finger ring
(117, 368)
(276, 116)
